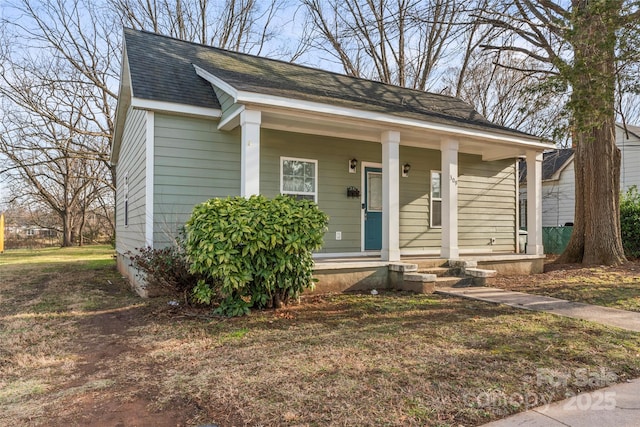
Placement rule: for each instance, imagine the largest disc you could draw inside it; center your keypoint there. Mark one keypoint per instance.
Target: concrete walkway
(623, 319)
(618, 405)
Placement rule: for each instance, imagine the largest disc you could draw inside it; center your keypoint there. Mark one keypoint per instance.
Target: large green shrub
(253, 252)
(630, 222)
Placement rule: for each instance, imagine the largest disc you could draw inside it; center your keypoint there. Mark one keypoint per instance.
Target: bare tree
(59, 65)
(579, 44)
(47, 168)
(500, 89)
(240, 25)
(628, 93)
(393, 41)
(58, 81)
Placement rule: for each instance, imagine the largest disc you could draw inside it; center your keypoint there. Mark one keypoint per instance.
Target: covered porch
(446, 127)
(449, 141)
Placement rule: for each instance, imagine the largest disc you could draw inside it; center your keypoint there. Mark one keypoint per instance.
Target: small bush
(253, 252)
(166, 269)
(630, 222)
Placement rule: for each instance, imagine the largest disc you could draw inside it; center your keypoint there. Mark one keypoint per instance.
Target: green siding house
(400, 172)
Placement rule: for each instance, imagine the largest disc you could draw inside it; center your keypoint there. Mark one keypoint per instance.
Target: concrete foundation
(336, 276)
(352, 277)
(364, 275)
(533, 264)
(135, 277)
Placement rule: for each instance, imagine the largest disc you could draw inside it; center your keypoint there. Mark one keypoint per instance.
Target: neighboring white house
(398, 171)
(558, 178)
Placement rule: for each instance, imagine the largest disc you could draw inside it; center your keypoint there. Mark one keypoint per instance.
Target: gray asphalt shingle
(552, 162)
(161, 70)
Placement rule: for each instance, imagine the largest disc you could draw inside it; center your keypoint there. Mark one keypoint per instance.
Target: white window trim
(431, 199)
(315, 178)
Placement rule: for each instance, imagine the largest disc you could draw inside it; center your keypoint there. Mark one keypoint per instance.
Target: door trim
(363, 166)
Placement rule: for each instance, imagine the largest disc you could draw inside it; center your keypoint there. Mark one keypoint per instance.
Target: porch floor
(357, 273)
(423, 261)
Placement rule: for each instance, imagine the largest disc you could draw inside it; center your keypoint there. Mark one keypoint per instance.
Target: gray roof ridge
(632, 129)
(401, 92)
(308, 67)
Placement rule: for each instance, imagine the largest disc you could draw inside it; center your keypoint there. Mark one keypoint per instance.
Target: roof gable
(633, 130)
(553, 163)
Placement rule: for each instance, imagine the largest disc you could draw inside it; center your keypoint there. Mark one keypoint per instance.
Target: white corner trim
(218, 82)
(172, 107)
(384, 118)
(149, 175)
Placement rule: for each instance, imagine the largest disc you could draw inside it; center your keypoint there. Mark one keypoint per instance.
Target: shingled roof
(161, 69)
(552, 162)
(633, 130)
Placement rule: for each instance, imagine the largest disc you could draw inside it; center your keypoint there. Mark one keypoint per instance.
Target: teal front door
(372, 209)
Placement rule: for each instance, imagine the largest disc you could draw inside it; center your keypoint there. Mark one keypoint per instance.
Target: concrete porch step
(453, 282)
(438, 271)
(428, 263)
(418, 282)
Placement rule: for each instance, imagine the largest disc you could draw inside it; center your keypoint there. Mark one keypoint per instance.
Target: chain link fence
(555, 239)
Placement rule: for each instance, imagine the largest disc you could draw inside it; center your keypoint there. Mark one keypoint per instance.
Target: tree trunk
(67, 230)
(596, 237)
(83, 220)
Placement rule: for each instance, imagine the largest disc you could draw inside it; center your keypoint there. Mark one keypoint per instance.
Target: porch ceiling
(358, 129)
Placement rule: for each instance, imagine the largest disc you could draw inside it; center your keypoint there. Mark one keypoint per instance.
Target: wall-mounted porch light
(353, 163)
(405, 170)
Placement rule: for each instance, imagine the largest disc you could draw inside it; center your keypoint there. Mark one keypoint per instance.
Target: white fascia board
(118, 130)
(124, 101)
(172, 107)
(556, 175)
(387, 119)
(216, 81)
(630, 129)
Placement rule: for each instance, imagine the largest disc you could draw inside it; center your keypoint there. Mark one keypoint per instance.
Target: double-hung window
(436, 200)
(299, 178)
(523, 213)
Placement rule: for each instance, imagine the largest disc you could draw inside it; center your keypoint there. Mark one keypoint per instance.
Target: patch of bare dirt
(104, 338)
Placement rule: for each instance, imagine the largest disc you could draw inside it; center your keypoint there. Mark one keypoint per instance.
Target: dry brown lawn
(78, 348)
(617, 287)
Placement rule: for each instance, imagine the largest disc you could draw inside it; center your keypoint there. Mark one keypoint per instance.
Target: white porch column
(449, 183)
(534, 203)
(250, 153)
(390, 195)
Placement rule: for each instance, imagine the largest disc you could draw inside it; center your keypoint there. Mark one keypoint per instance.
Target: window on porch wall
(435, 200)
(299, 178)
(523, 213)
